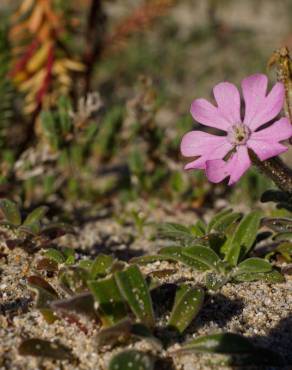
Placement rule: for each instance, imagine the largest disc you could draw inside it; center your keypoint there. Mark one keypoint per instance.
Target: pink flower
(223, 156)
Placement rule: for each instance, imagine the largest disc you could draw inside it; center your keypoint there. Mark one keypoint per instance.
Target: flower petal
(198, 164)
(205, 113)
(238, 164)
(265, 143)
(199, 143)
(235, 167)
(278, 131)
(254, 90)
(259, 108)
(228, 101)
(216, 170)
(266, 149)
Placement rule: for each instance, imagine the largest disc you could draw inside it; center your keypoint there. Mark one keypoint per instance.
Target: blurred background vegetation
(95, 94)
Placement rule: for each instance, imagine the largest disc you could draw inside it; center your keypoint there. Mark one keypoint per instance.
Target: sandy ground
(257, 310)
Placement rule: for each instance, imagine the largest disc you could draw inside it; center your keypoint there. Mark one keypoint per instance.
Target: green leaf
(240, 243)
(44, 348)
(10, 212)
(227, 343)
(252, 265)
(215, 281)
(132, 360)
(54, 255)
(176, 232)
(217, 217)
(188, 302)
(226, 221)
(215, 241)
(111, 304)
(144, 260)
(69, 254)
(199, 229)
(176, 254)
(268, 277)
(35, 216)
(134, 290)
(32, 229)
(64, 108)
(86, 264)
(101, 265)
(204, 255)
(286, 250)
(73, 279)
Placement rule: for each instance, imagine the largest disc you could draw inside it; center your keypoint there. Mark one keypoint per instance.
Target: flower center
(238, 134)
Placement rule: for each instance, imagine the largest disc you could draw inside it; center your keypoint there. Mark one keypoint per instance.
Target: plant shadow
(218, 310)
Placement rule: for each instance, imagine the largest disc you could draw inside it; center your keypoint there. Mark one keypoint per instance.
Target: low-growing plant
(222, 249)
(119, 298)
(29, 232)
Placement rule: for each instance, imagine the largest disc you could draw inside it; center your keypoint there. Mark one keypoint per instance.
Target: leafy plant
(239, 349)
(29, 232)
(220, 249)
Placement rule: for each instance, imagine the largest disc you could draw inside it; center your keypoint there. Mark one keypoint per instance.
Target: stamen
(238, 134)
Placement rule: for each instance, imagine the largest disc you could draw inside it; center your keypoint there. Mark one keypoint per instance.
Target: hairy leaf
(188, 302)
(177, 254)
(101, 265)
(268, 277)
(111, 305)
(175, 232)
(252, 265)
(228, 343)
(130, 360)
(240, 243)
(204, 255)
(134, 290)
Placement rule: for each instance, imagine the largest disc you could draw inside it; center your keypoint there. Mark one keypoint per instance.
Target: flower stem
(276, 170)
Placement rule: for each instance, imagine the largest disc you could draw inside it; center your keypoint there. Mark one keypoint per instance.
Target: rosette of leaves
(221, 250)
(29, 232)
